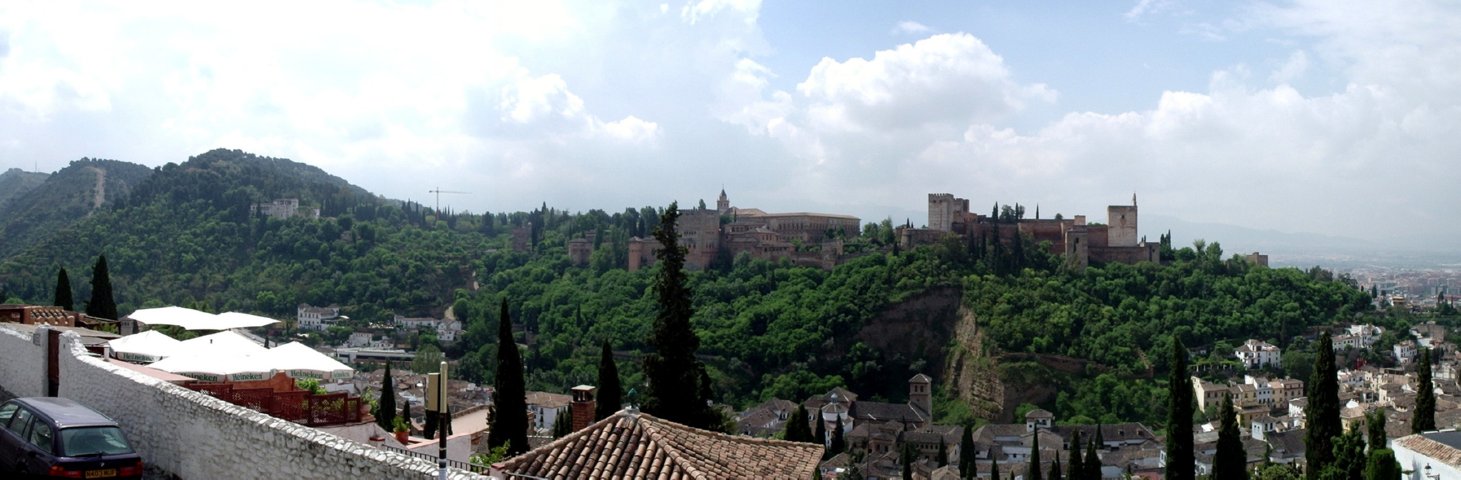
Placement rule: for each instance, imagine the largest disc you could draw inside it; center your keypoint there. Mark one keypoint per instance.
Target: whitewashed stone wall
(195, 436)
(22, 364)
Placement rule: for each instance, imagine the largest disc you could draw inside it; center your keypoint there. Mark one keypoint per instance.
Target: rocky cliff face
(970, 373)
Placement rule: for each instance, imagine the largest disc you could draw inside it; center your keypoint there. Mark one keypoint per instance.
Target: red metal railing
(296, 406)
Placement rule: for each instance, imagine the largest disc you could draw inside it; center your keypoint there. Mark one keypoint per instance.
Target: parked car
(57, 437)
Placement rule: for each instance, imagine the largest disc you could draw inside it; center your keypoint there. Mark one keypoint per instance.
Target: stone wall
(22, 364)
(195, 436)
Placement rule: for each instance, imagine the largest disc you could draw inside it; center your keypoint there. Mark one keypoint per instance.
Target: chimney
(583, 406)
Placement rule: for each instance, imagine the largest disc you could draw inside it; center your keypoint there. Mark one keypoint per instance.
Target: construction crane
(438, 191)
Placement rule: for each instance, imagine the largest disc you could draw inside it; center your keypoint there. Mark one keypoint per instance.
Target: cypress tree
(102, 305)
(906, 459)
(610, 393)
(562, 423)
(386, 408)
(510, 417)
(1077, 470)
(798, 428)
(838, 443)
(1092, 462)
(1381, 465)
(1322, 412)
(1425, 396)
(1180, 461)
(993, 466)
(672, 370)
(1230, 461)
(1055, 468)
(821, 435)
(1035, 456)
(63, 291)
(1349, 457)
(406, 412)
(966, 454)
(943, 453)
(1375, 427)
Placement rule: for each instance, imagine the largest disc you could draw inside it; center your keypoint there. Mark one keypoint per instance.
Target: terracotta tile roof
(1439, 446)
(636, 445)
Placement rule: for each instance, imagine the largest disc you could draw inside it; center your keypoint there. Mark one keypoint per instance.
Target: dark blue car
(57, 437)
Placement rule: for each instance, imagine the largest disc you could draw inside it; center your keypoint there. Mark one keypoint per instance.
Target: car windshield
(80, 442)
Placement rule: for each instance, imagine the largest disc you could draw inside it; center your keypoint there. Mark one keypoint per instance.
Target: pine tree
(510, 414)
(1077, 469)
(386, 408)
(1375, 428)
(672, 370)
(1322, 412)
(610, 393)
(1035, 456)
(1349, 457)
(1180, 461)
(102, 305)
(1230, 461)
(966, 453)
(1424, 419)
(63, 291)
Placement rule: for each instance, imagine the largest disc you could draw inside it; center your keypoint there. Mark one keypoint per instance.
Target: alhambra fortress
(816, 239)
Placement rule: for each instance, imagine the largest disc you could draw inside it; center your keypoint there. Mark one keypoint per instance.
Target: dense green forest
(186, 235)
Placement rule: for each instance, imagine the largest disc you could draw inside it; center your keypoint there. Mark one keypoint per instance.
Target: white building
(1429, 455)
(446, 330)
(1405, 352)
(1257, 353)
(317, 318)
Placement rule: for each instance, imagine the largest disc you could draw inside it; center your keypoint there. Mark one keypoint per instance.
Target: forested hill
(16, 182)
(63, 199)
(187, 236)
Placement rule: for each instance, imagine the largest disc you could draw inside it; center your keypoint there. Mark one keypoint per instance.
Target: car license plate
(110, 472)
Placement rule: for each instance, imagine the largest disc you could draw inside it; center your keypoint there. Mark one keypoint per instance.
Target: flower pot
(403, 437)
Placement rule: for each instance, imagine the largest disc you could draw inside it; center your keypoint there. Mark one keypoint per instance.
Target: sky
(1329, 117)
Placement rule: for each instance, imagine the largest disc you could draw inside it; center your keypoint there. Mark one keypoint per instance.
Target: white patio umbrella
(187, 318)
(148, 346)
(215, 368)
(301, 361)
(242, 320)
(223, 344)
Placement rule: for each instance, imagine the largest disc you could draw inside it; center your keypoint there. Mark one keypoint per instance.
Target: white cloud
(909, 27)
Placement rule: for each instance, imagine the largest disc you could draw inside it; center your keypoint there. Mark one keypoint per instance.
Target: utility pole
(438, 191)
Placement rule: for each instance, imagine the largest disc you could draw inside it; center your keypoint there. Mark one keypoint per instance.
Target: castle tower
(722, 205)
(920, 395)
(1122, 224)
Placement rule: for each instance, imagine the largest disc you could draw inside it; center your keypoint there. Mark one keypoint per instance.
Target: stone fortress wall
(192, 435)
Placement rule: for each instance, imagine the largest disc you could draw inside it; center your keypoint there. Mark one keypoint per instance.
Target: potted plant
(401, 430)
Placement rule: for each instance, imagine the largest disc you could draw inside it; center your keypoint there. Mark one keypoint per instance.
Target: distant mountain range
(16, 182)
(1296, 249)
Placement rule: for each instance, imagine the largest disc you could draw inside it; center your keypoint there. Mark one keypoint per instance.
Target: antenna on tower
(438, 191)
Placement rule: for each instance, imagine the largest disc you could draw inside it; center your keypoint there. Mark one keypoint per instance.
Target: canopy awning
(300, 361)
(221, 344)
(190, 319)
(149, 346)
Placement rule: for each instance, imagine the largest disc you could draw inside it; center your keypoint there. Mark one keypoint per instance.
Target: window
(77, 442)
(19, 422)
(7, 411)
(40, 436)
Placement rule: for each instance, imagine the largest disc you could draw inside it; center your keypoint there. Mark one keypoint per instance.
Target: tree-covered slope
(16, 182)
(65, 198)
